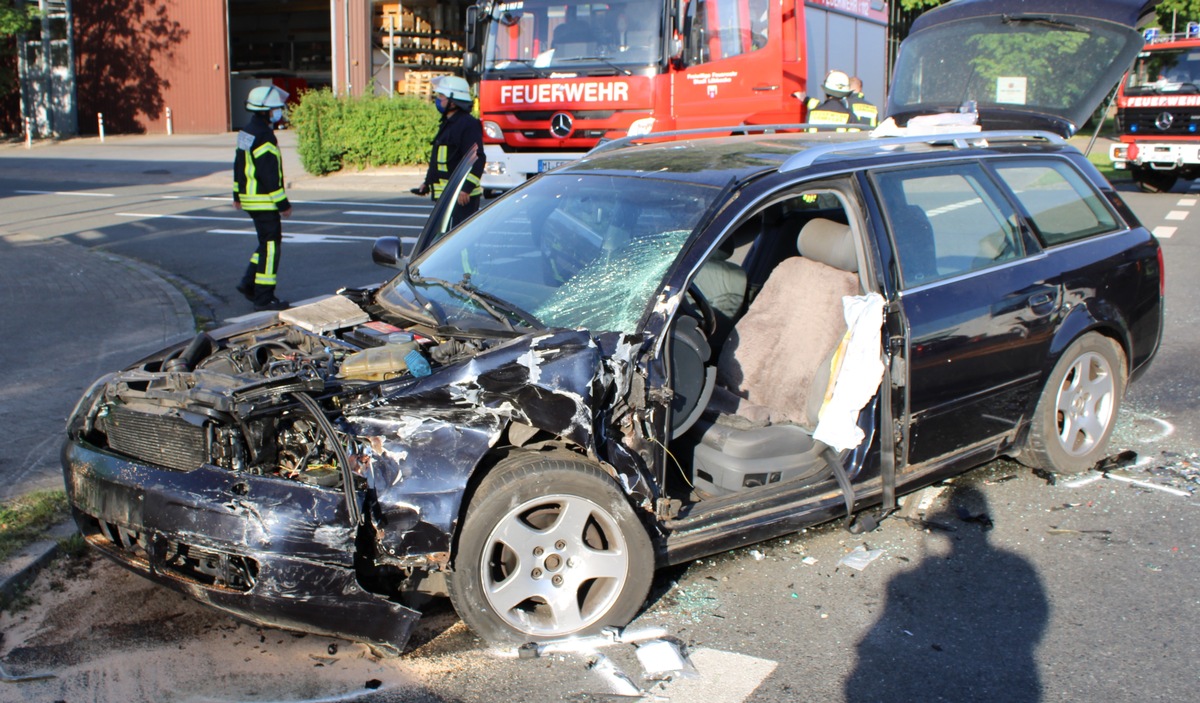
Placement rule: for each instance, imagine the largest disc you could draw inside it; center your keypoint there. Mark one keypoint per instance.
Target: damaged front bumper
(245, 545)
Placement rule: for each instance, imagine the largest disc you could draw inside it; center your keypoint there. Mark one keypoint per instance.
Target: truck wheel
(1077, 410)
(550, 548)
(1151, 181)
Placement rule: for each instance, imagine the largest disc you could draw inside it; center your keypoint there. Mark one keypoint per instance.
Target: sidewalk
(199, 160)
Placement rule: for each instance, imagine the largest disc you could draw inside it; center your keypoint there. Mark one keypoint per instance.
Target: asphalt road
(1006, 587)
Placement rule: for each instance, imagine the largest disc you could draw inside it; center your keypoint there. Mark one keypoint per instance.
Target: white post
(100, 122)
(170, 127)
(28, 134)
(391, 56)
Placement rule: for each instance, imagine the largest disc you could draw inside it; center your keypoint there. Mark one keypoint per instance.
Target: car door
(979, 302)
(439, 221)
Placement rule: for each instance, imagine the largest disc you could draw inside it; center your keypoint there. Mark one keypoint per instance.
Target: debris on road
(860, 557)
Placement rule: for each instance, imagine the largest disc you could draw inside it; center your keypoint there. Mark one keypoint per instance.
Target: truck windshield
(1165, 71)
(568, 251)
(540, 37)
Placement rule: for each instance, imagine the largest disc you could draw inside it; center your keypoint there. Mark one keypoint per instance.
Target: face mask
(441, 104)
(276, 115)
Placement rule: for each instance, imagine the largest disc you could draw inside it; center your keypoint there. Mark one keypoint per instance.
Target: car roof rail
(725, 131)
(876, 145)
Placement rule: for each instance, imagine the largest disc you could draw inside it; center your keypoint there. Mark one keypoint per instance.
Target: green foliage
(26, 519)
(336, 133)
(14, 20)
(1179, 12)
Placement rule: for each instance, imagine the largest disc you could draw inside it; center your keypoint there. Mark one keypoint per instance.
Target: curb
(20, 569)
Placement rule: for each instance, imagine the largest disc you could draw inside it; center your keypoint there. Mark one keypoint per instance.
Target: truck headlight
(491, 130)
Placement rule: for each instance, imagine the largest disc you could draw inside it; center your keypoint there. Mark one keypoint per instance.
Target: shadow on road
(962, 624)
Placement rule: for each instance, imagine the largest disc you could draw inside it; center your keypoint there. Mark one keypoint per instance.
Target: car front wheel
(1078, 407)
(550, 548)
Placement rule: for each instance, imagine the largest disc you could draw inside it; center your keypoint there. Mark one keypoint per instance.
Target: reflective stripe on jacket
(456, 133)
(258, 168)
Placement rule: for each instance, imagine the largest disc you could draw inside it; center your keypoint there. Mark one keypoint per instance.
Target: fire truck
(558, 76)
(1158, 112)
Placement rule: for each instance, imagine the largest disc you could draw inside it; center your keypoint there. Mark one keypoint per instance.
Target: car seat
(774, 371)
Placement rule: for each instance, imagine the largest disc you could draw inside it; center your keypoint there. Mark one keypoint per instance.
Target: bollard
(28, 134)
(100, 121)
(170, 128)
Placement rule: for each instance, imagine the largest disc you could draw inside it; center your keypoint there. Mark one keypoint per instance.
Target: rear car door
(980, 304)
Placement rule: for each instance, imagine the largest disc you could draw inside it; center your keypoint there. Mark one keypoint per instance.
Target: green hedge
(336, 133)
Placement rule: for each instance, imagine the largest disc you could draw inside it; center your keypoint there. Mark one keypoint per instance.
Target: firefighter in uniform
(835, 109)
(863, 109)
(458, 130)
(258, 189)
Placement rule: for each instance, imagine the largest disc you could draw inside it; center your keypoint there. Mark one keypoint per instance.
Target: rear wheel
(1151, 181)
(1078, 407)
(550, 548)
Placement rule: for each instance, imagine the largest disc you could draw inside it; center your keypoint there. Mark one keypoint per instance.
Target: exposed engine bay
(260, 402)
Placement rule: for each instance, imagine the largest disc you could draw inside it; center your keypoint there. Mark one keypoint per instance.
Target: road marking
(79, 193)
(724, 677)
(1186, 202)
(952, 207)
(1176, 215)
(151, 216)
(310, 238)
(368, 213)
(1164, 232)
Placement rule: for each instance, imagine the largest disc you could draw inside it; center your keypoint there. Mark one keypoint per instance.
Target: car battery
(375, 334)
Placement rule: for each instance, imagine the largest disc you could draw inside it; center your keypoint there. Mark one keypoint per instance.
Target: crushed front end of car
(310, 474)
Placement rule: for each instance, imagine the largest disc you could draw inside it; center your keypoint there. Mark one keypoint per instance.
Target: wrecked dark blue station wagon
(667, 349)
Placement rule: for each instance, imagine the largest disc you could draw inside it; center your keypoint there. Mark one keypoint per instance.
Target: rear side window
(1063, 206)
(947, 221)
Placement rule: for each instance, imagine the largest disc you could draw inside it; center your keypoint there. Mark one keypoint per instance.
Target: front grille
(163, 440)
(1141, 121)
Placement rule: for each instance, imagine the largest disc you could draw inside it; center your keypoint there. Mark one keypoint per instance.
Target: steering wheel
(708, 317)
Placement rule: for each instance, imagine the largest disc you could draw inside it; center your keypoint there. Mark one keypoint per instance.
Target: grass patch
(1101, 161)
(26, 519)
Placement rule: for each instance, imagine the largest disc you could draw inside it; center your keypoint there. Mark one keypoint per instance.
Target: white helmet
(455, 88)
(837, 84)
(266, 97)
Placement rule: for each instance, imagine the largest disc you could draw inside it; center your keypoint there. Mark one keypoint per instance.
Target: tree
(1174, 15)
(15, 18)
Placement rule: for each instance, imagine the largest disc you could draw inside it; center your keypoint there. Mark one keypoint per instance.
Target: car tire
(1078, 407)
(550, 548)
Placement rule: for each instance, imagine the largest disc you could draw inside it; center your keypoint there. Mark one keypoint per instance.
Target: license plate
(548, 164)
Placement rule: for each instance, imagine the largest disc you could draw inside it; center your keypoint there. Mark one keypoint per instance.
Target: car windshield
(567, 250)
(1165, 71)
(1057, 66)
(539, 37)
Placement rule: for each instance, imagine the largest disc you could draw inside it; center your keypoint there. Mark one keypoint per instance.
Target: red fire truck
(557, 76)
(1158, 112)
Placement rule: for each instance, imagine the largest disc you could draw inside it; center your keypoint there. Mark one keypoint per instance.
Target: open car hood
(1020, 64)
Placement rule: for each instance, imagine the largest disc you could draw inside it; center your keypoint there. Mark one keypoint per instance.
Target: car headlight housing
(491, 130)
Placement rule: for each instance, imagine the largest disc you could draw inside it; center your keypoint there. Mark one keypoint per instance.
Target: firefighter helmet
(265, 98)
(837, 84)
(457, 90)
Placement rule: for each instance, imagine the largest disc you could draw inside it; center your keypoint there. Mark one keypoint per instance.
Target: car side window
(1063, 206)
(946, 221)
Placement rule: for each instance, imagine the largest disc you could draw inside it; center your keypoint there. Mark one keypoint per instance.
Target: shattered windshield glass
(1165, 71)
(540, 36)
(574, 251)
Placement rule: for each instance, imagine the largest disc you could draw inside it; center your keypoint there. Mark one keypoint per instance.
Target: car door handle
(1041, 303)
(765, 88)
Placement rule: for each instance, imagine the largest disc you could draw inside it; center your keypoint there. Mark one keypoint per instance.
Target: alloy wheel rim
(554, 565)
(1085, 402)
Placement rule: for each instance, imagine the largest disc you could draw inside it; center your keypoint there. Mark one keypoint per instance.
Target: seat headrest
(828, 242)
